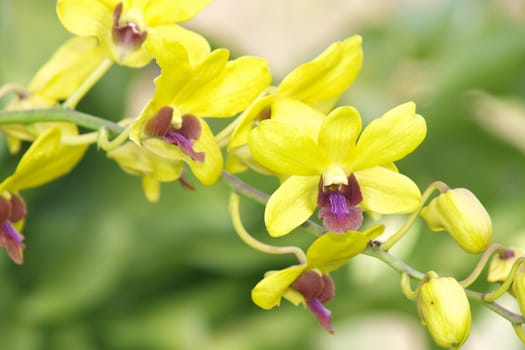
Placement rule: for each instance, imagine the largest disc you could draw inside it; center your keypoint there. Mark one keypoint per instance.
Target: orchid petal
(171, 11)
(338, 134)
(291, 204)
(326, 77)
(387, 192)
(227, 92)
(330, 251)
(269, 291)
(387, 139)
(286, 149)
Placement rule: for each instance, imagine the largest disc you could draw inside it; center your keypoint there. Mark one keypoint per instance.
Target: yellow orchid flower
(309, 283)
(332, 168)
(318, 83)
(153, 168)
(45, 160)
(56, 80)
(123, 26)
(172, 123)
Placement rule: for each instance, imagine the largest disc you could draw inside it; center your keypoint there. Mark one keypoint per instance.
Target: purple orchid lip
(317, 289)
(190, 130)
(12, 210)
(127, 35)
(338, 206)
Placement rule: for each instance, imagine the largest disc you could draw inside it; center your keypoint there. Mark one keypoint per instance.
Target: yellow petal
(387, 192)
(338, 134)
(86, 17)
(298, 114)
(230, 91)
(291, 204)
(45, 160)
(326, 77)
(210, 170)
(269, 291)
(330, 251)
(151, 188)
(387, 139)
(195, 44)
(68, 68)
(172, 11)
(286, 149)
(248, 121)
(137, 160)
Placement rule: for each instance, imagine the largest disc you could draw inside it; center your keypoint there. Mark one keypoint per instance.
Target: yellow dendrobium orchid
(56, 80)
(318, 83)
(172, 123)
(153, 168)
(124, 26)
(297, 283)
(45, 160)
(333, 169)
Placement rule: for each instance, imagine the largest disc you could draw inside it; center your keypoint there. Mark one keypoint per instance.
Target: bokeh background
(107, 270)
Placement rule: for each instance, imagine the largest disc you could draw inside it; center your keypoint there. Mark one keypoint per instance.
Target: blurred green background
(105, 269)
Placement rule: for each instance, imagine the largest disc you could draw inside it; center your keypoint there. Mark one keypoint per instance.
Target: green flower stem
(396, 237)
(395, 263)
(406, 288)
(252, 242)
(91, 80)
(515, 319)
(246, 190)
(481, 264)
(490, 297)
(19, 90)
(58, 115)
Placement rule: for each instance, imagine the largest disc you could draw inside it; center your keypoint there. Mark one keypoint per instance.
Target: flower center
(12, 210)
(183, 137)
(338, 205)
(127, 35)
(317, 289)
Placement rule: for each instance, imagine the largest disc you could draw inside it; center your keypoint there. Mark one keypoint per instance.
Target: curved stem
(247, 190)
(438, 185)
(58, 115)
(406, 287)
(19, 90)
(91, 80)
(510, 316)
(490, 297)
(252, 242)
(481, 264)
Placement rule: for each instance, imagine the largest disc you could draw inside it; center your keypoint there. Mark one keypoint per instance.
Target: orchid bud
(444, 309)
(501, 264)
(459, 212)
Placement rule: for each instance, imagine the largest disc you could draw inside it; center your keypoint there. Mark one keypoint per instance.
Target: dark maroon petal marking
(12, 240)
(324, 316)
(352, 191)
(328, 290)
(191, 127)
(316, 290)
(160, 123)
(5, 209)
(127, 35)
(310, 284)
(18, 208)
